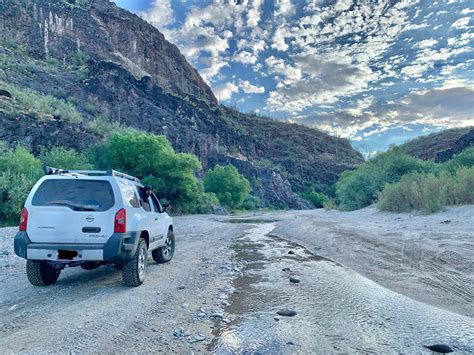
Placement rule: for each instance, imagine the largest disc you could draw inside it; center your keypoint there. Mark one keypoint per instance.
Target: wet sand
(337, 310)
(429, 258)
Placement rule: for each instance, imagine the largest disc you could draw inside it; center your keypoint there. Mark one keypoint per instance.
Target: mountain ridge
(439, 146)
(278, 158)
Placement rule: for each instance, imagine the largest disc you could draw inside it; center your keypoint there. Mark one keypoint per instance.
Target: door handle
(156, 218)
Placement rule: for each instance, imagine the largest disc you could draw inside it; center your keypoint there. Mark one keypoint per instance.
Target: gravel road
(226, 282)
(93, 311)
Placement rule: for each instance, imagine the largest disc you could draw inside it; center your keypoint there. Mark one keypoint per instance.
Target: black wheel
(133, 272)
(166, 252)
(40, 273)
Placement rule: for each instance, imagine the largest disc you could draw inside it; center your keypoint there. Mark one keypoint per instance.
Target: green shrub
(359, 188)
(330, 204)
(19, 161)
(82, 74)
(251, 203)
(464, 189)
(318, 199)
(230, 187)
(80, 59)
(63, 158)
(19, 171)
(14, 189)
(465, 158)
(153, 159)
(42, 105)
(430, 192)
(52, 62)
(103, 126)
(90, 108)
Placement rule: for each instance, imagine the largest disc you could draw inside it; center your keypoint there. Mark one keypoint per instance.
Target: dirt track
(93, 311)
(223, 287)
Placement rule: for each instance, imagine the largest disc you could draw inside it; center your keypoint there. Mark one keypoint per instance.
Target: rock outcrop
(464, 142)
(441, 146)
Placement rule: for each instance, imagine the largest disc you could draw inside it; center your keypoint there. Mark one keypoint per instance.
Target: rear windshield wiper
(74, 206)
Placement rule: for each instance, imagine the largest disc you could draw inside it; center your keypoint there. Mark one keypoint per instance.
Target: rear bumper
(119, 249)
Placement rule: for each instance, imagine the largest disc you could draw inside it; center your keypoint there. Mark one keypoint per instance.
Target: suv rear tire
(40, 273)
(166, 252)
(133, 272)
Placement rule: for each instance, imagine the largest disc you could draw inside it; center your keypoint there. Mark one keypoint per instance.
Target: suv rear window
(79, 195)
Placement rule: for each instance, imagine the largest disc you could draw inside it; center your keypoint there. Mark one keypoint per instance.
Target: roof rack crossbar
(86, 172)
(55, 171)
(122, 175)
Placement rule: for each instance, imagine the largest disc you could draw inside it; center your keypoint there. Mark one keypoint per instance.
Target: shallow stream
(337, 309)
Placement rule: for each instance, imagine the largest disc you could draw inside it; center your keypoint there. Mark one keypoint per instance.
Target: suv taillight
(23, 219)
(120, 221)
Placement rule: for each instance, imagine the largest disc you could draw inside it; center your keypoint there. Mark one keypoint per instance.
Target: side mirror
(166, 207)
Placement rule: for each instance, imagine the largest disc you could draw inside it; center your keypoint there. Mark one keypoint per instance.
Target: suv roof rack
(123, 175)
(55, 171)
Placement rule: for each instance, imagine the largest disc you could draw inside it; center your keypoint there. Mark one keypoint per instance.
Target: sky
(376, 72)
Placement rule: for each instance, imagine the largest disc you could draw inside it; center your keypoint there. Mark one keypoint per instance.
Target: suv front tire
(133, 272)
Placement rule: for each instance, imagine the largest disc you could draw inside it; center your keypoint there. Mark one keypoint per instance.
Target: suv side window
(144, 200)
(156, 203)
(128, 194)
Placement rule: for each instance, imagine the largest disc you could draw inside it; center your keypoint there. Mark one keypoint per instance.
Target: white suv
(91, 218)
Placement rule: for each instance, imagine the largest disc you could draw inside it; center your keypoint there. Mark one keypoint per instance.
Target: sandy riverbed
(427, 257)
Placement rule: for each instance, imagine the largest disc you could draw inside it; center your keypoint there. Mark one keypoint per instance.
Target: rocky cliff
(114, 68)
(441, 146)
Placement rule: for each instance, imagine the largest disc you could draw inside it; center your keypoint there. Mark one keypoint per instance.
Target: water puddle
(250, 220)
(337, 310)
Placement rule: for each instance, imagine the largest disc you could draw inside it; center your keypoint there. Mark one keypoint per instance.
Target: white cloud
(279, 40)
(225, 92)
(284, 8)
(461, 23)
(254, 14)
(245, 57)
(319, 80)
(160, 13)
(427, 43)
(248, 88)
(449, 105)
(343, 5)
(278, 66)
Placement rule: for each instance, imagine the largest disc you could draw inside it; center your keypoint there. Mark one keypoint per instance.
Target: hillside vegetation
(149, 157)
(429, 192)
(400, 182)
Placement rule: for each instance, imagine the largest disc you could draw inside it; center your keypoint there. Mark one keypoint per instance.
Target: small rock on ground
(200, 337)
(294, 280)
(285, 312)
(440, 348)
